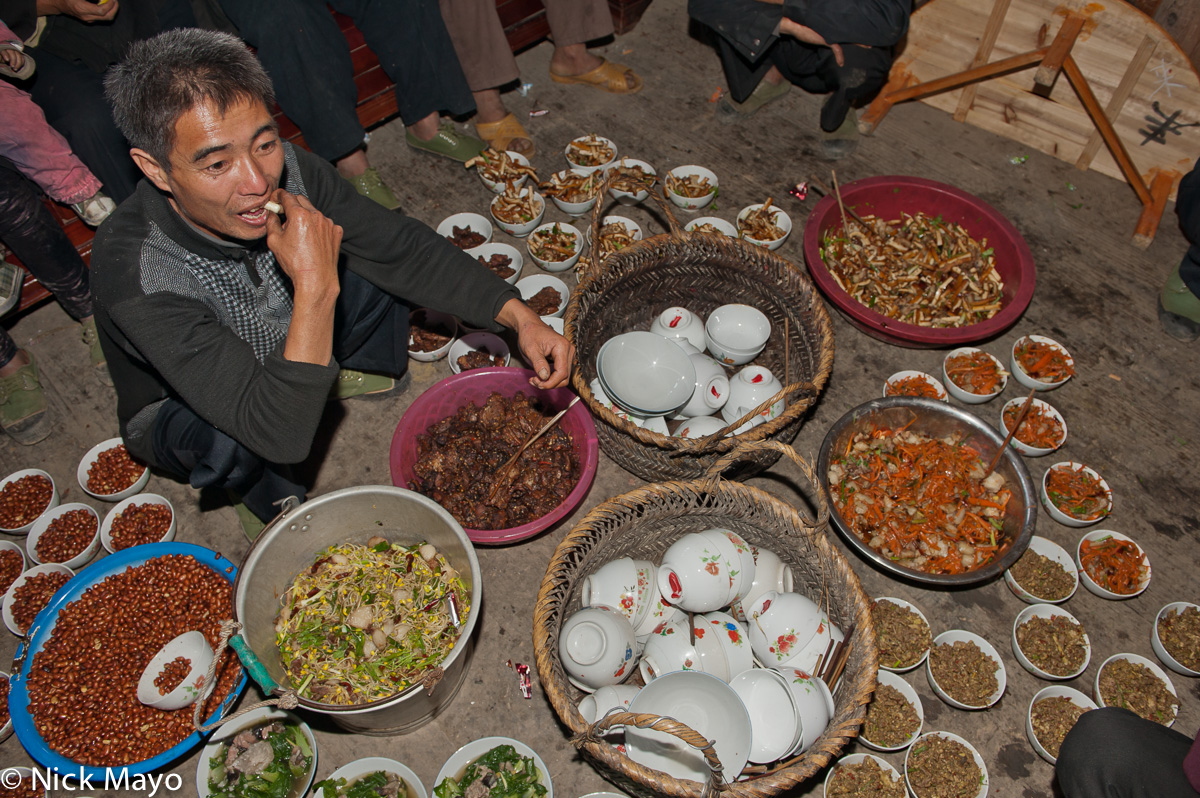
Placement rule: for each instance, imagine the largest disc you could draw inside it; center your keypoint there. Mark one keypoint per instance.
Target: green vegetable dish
(268, 761)
(364, 623)
(500, 773)
(379, 784)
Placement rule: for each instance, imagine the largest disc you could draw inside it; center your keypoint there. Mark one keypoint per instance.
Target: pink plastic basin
(887, 197)
(447, 396)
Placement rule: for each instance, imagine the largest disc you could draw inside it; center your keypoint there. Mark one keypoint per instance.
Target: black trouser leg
(1113, 753)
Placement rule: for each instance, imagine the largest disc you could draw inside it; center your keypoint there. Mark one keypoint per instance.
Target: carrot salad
(1040, 428)
(975, 372)
(915, 385)
(1116, 565)
(1044, 362)
(920, 501)
(1077, 493)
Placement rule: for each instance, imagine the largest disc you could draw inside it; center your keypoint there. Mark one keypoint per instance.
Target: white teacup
(614, 696)
(774, 717)
(712, 388)
(699, 574)
(781, 624)
(624, 584)
(669, 650)
(653, 423)
(597, 647)
(739, 553)
(736, 334)
(700, 427)
(680, 322)
(749, 388)
(661, 613)
(732, 637)
(770, 573)
(813, 701)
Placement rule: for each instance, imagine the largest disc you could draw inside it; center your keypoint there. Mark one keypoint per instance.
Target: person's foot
(87, 332)
(252, 525)
(11, 278)
(839, 143)
(371, 185)
(448, 143)
(95, 209)
(576, 64)
(352, 384)
(1179, 309)
(23, 403)
(764, 93)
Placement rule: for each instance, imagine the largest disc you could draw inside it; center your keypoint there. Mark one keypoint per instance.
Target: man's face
(224, 167)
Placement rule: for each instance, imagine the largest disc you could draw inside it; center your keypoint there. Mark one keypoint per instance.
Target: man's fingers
(838, 55)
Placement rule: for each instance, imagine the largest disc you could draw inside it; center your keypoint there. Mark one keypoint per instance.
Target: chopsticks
(500, 472)
(835, 663)
(1017, 425)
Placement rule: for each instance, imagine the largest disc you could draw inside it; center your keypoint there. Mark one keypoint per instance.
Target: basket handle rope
(782, 394)
(615, 717)
(283, 698)
(660, 199)
(746, 447)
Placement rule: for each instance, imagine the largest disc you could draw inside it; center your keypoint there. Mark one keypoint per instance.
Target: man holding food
(245, 282)
(839, 47)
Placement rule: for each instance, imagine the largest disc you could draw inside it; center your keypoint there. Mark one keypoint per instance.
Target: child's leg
(39, 151)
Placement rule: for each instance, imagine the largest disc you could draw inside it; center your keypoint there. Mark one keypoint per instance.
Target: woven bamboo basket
(699, 271)
(642, 524)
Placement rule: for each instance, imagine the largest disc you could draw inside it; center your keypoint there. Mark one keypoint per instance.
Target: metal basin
(353, 515)
(938, 419)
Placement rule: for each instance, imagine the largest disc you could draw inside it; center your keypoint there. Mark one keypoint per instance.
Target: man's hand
(306, 245)
(14, 58)
(539, 343)
(807, 35)
(83, 10)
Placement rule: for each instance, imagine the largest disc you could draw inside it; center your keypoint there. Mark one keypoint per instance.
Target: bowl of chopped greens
(506, 767)
(266, 753)
(370, 777)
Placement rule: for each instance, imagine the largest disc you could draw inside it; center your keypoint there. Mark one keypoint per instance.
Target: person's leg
(1179, 300)
(1113, 753)
(370, 340)
(72, 97)
(752, 84)
(39, 151)
(573, 23)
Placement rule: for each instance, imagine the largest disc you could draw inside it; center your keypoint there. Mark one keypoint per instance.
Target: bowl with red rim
(889, 196)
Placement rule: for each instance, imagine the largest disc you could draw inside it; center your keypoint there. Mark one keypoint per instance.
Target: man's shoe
(252, 525)
(371, 186)
(11, 278)
(23, 405)
(365, 385)
(1179, 309)
(765, 92)
(87, 331)
(841, 142)
(448, 143)
(95, 209)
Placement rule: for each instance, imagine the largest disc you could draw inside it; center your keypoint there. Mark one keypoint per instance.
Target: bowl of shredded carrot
(1041, 363)
(1112, 565)
(911, 491)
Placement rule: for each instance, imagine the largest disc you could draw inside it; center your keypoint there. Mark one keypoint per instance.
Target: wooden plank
(1161, 185)
(1113, 109)
(986, 45)
(1059, 50)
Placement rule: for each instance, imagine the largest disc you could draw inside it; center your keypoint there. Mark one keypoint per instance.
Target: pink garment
(38, 150)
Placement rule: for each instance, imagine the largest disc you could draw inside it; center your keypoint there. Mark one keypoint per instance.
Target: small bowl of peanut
(32, 593)
(147, 518)
(109, 474)
(25, 496)
(68, 534)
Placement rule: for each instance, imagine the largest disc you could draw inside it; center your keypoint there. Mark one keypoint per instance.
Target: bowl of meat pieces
(544, 294)
(970, 525)
(430, 334)
(108, 473)
(976, 273)
(454, 441)
(478, 350)
(503, 260)
(466, 230)
(1175, 637)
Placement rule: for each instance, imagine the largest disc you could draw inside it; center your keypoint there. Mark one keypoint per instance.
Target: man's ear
(151, 168)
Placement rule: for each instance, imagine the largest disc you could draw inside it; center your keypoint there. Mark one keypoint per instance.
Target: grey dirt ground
(1131, 410)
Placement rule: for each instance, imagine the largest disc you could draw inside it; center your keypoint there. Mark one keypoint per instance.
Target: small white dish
(81, 473)
(1150, 665)
(719, 224)
(487, 342)
(983, 783)
(1025, 448)
(1098, 536)
(361, 768)
(23, 529)
(1053, 691)
(460, 759)
(42, 524)
(857, 759)
(522, 227)
(6, 608)
(700, 427)
(590, 139)
(962, 394)
(890, 679)
(693, 203)
(575, 208)
(631, 227)
(912, 608)
(140, 499)
(192, 646)
(252, 720)
(1156, 643)
(952, 636)
(623, 196)
(485, 252)
(1065, 518)
(529, 286)
(1047, 611)
(471, 221)
(1051, 550)
(1023, 377)
(556, 265)
(498, 186)
(438, 320)
(890, 389)
(597, 647)
(781, 219)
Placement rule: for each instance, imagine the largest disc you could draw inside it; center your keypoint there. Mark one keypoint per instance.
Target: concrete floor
(1131, 409)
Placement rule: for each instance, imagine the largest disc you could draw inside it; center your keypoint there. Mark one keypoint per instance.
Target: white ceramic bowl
(966, 396)
(50, 505)
(6, 609)
(555, 323)
(858, 759)
(720, 224)
(437, 319)
(700, 427)
(597, 647)
(1156, 643)
(775, 726)
(679, 322)
(983, 786)
(192, 646)
(1053, 691)
(910, 695)
(498, 186)
(565, 263)
(954, 636)
(25, 780)
(631, 197)
(633, 228)
(1070, 520)
(458, 761)
(576, 208)
(815, 703)
(1025, 379)
(645, 373)
(10, 546)
(693, 203)
(144, 498)
(929, 379)
(1051, 550)
(42, 524)
(474, 221)
(1136, 659)
(478, 342)
(625, 584)
(913, 608)
(1024, 448)
(1096, 536)
(705, 704)
(486, 251)
(781, 219)
(1047, 611)
(81, 473)
(251, 720)
(7, 729)
(594, 706)
(528, 286)
(584, 167)
(735, 334)
(360, 768)
(522, 228)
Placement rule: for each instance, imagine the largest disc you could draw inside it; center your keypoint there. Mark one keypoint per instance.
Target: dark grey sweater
(183, 316)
